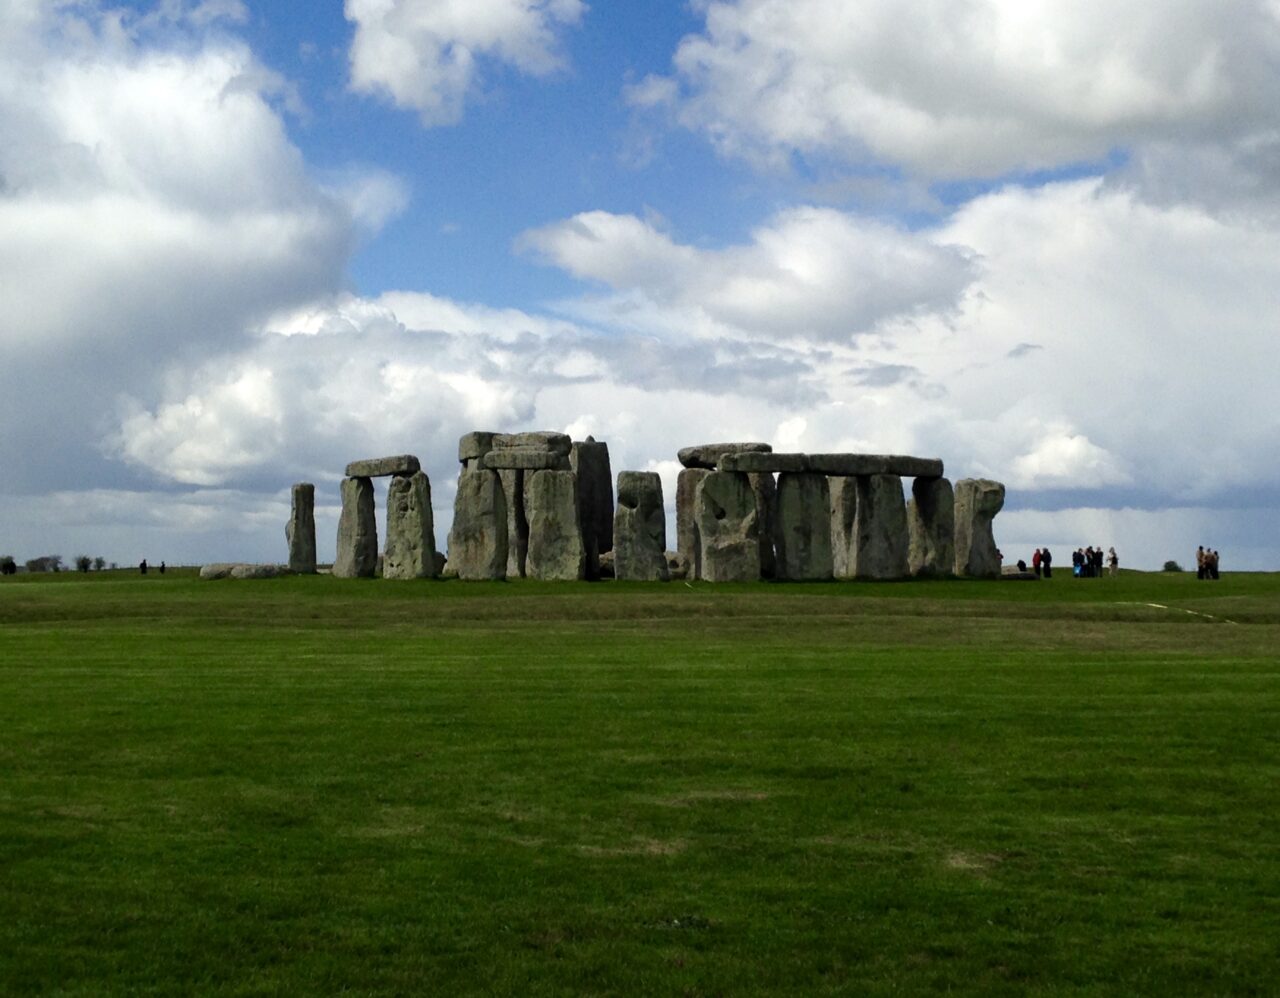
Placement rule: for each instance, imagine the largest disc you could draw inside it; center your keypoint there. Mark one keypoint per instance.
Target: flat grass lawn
(313, 785)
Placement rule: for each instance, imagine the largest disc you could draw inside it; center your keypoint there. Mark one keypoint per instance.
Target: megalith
(555, 535)
(688, 540)
(766, 493)
(728, 528)
(300, 531)
(977, 501)
(640, 529)
(411, 540)
(589, 460)
(802, 527)
(880, 523)
(357, 531)
(931, 528)
(517, 525)
(844, 536)
(478, 539)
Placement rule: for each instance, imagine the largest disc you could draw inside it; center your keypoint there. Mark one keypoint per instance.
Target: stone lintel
(708, 455)
(381, 467)
(544, 440)
(526, 459)
(752, 461)
(875, 464)
(475, 444)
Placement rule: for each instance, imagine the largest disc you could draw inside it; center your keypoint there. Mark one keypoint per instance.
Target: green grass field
(313, 785)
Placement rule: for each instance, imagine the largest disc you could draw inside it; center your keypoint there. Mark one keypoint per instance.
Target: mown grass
(313, 785)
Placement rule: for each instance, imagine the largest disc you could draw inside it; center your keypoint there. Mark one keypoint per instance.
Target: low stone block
(300, 531)
(640, 529)
(978, 500)
(728, 528)
(752, 461)
(555, 534)
(557, 443)
(802, 528)
(478, 539)
(526, 459)
(357, 556)
(708, 455)
(875, 464)
(381, 467)
(931, 526)
(411, 539)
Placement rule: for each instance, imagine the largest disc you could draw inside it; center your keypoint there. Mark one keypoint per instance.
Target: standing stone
(555, 534)
(640, 529)
(590, 462)
(478, 540)
(931, 522)
(688, 540)
(517, 522)
(844, 536)
(766, 493)
(357, 532)
(411, 538)
(300, 531)
(880, 523)
(978, 500)
(802, 528)
(728, 528)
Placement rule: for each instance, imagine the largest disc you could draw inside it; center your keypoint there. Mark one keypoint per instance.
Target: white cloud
(976, 88)
(427, 55)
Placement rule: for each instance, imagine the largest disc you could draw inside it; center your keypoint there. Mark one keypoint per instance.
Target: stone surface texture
(589, 460)
(357, 556)
(300, 531)
(475, 444)
(640, 529)
(548, 440)
(517, 523)
(708, 455)
(478, 540)
(844, 534)
(728, 528)
(880, 523)
(241, 570)
(688, 541)
(555, 534)
(755, 462)
(526, 459)
(875, 464)
(381, 467)
(766, 493)
(978, 500)
(411, 539)
(802, 528)
(931, 528)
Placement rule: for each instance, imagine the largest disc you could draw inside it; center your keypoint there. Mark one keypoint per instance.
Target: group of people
(1086, 563)
(1206, 563)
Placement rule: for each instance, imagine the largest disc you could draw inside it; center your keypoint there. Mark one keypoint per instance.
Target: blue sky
(243, 243)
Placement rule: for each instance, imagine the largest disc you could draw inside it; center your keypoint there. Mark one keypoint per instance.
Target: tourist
(1046, 559)
(142, 567)
(1077, 563)
(1113, 562)
(1035, 562)
(1200, 562)
(1211, 563)
(162, 568)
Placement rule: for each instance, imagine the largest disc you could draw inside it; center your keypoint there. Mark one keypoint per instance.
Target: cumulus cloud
(427, 56)
(981, 88)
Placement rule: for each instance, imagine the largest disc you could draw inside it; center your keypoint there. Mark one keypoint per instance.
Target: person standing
(1046, 559)
(1113, 562)
(1035, 562)
(1200, 562)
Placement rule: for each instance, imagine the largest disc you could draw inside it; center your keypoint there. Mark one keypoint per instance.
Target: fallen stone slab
(557, 443)
(526, 459)
(478, 539)
(357, 556)
(708, 455)
(411, 540)
(475, 444)
(640, 529)
(1010, 573)
(555, 535)
(382, 467)
(978, 500)
(876, 464)
(931, 526)
(752, 461)
(802, 528)
(242, 570)
(300, 531)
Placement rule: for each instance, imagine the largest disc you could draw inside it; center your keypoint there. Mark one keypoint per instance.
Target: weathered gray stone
(381, 467)
(440, 562)
(555, 534)
(517, 523)
(300, 531)
(590, 462)
(766, 493)
(978, 500)
(478, 539)
(217, 570)
(756, 462)
(931, 526)
(640, 529)
(708, 455)
(474, 445)
(728, 528)
(357, 532)
(875, 464)
(844, 534)
(880, 523)
(677, 565)
(688, 541)
(241, 570)
(525, 459)
(411, 539)
(802, 528)
(550, 440)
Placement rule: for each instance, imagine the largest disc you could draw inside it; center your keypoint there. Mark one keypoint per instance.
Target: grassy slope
(318, 785)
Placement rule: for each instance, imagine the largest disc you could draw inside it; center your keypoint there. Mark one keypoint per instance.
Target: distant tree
(99, 564)
(7, 565)
(1172, 566)
(45, 563)
(83, 563)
